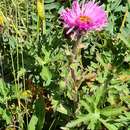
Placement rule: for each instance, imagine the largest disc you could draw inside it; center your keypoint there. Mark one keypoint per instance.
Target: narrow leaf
(40, 112)
(32, 123)
(109, 111)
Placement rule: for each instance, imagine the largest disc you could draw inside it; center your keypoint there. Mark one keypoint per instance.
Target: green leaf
(51, 6)
(40, 112)
(1, 111)
(115, 5)
(92, 124)
(98, 95)
(49, 1)
(58, 106)
(39, 60)
(3, 88)
(62, 109)
(12, 42)
(127, 115)
(76, 122)
(86, 106)
(46, 75)
(32, 123)
(21, 73)
(44, 60)
(109, 111)
(6, 116)
(93, 120)
(46, 55)
(124, 39)
(109, 126)
(100, 59)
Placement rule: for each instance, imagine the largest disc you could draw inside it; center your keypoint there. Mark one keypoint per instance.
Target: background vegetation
(36, 88)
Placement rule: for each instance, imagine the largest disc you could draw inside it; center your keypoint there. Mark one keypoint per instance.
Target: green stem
(76, 49)
(75, 57)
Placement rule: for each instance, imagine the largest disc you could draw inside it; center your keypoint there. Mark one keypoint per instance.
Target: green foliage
(32, 123)
(40, 112)
(46, 75)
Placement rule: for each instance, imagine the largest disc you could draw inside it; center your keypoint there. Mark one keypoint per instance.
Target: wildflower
(40, 9)
(84, 17)
(1, 23)
(1, 20)
(41, 14)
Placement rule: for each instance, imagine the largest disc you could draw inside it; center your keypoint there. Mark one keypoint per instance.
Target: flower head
(1, 23)
(84, 17)
(1, 20)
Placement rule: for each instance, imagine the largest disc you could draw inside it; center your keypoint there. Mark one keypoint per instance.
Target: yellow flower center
(85, 19)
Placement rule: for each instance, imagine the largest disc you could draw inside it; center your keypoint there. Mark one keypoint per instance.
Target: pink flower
(84, 17)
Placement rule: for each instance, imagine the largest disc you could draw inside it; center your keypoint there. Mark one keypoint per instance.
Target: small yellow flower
(1, 20)
(40, 9)
(26, 94)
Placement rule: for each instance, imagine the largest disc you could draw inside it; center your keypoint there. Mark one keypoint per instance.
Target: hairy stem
(75, 56)
(76, 48)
